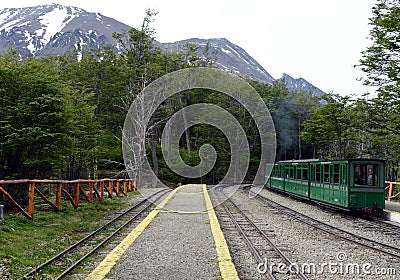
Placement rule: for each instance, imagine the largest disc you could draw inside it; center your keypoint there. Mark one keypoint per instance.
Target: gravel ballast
(309, 246)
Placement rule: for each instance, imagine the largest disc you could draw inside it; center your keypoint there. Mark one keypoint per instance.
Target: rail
(110, 186)
(392, 190)
(365, 241)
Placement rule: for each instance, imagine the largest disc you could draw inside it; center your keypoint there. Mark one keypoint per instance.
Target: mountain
(227, 56)
(54, 29)
(301, 84)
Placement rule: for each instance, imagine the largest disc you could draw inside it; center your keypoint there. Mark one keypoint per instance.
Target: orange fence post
(134, 185)
(117, 187)
(130, 185)
(91, 185)
(31, 199)
(76, 194)
(58, 196)
(125, 188)
(110, 188)
(389, 188)
(101, 190)
(394, 190)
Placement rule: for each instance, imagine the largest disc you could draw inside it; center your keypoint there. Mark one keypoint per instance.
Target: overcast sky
(319, 40)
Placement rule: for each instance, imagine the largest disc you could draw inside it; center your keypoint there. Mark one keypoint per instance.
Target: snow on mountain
(38, 30)
(227, 56)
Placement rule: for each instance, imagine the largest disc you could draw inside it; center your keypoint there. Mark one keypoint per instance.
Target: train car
(351, 184)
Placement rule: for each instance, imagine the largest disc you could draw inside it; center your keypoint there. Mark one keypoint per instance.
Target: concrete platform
(392, 210)
(180, 239)
(392, 206)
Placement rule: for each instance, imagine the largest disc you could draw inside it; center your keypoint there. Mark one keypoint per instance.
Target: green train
(351, 184)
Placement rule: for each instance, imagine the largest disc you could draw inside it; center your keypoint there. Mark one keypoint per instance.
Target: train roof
(327, 160)
(300, 160)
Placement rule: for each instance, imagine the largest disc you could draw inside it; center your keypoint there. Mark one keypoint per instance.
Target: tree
(145, 63)
(381, 63)
(331, 128)
(34, 119)
(289, 110)
(99, 81)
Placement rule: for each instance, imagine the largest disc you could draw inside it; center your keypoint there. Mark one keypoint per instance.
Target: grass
(26, 244)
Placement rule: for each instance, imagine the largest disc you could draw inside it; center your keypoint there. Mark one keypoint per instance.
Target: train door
(338, 186)
(344, 183)
(316, 186)
(326, 179)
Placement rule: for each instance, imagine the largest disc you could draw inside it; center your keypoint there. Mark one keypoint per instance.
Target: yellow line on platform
(227, 268)
(112, 258)
(391, 211)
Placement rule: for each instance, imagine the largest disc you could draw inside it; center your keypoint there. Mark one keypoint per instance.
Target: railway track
(260, 245)
(362, 221)
(332, 230)
(383, 226)
(68, 260)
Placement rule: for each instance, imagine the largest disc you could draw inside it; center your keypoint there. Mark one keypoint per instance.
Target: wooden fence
(392, 190)
(72, 190)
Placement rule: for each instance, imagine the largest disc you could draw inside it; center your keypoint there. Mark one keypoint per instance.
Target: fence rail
(392, 190)
(80, 188)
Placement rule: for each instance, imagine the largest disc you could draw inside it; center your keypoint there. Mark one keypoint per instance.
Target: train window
(292, 172)
(298, 173)
(318, 173)
(366, 174)
(275, 170)
(336, 173)
(343, 172)
(312, 173)
(326, 174)
(304, 175)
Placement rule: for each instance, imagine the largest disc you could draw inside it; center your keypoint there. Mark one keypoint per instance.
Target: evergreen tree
(381, 62)
(331, 128)
(34, 118)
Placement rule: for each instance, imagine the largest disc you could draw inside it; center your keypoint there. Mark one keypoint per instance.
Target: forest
(62, 116)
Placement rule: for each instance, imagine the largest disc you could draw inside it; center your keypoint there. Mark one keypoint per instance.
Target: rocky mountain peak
(228, 56)
(300, 84)
(35, 30)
